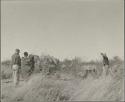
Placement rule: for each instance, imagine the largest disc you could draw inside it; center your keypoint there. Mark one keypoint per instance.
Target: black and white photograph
(62, 50)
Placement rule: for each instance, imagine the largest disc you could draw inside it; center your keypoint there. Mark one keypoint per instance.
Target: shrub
(6, 71)
(49, 64)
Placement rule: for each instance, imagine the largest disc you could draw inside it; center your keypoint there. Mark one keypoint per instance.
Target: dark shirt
(32, 61)
(105, 60)
(16, 59)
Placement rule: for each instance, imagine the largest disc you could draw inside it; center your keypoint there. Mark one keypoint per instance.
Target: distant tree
(116, 60)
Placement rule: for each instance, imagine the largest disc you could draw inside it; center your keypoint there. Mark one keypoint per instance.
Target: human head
(17, 51)
(25, 54)
(103, 54)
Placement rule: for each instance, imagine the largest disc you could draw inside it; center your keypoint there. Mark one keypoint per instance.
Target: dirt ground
(71, 88)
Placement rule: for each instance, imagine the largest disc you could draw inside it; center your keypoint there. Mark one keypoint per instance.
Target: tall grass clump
(6, 71)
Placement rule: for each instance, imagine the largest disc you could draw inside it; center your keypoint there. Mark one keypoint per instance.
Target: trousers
(105, 70)
(16, 74)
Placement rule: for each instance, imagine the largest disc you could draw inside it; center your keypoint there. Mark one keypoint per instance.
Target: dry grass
(66, 84)
(41, 89)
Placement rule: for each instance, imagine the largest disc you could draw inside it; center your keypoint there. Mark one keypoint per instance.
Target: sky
(63, 28)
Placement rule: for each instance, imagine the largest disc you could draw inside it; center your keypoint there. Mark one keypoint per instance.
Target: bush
(6, 71)
(6, 75)
(49, 64)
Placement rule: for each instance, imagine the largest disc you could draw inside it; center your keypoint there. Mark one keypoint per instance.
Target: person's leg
(18, 76)
(104, 71)
(16, 73)
(107, 69)
(14, 77)
(31, 70)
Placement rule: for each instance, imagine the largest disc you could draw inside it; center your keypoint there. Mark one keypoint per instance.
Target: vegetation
(49, 65)
(58, 81)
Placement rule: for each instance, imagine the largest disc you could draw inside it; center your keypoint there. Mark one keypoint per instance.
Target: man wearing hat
(16, 65)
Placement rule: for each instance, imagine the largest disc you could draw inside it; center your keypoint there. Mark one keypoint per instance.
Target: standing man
(105, 64)
(16, 66)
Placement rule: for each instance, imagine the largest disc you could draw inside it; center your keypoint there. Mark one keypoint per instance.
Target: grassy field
(65, 84)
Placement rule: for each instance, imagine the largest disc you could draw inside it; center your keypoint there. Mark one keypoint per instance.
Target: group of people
(18, 64)
(27, 63)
